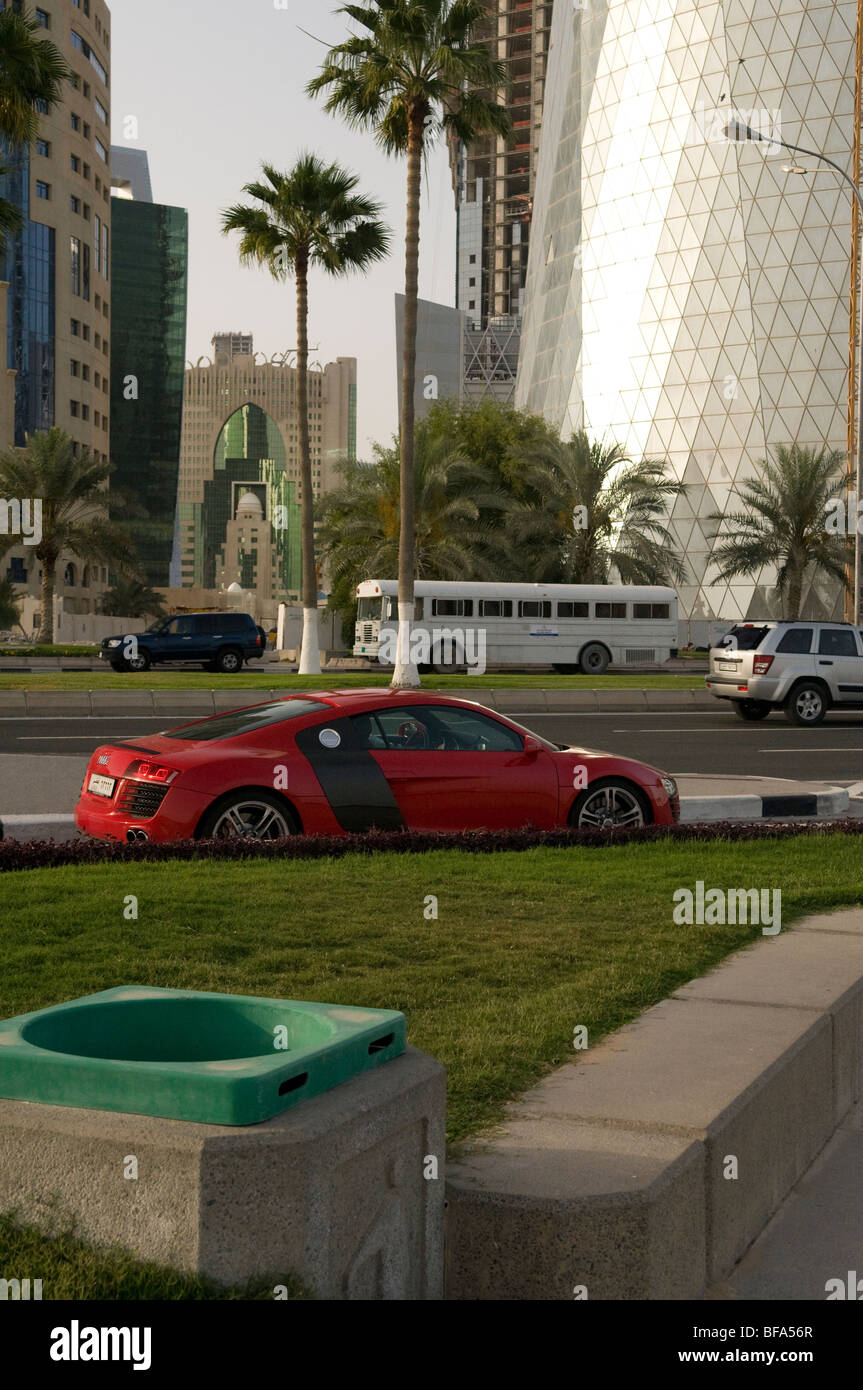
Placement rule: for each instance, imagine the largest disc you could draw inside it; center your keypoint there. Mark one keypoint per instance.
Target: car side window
(837, 641)
(436, 728)
(797, 642)
(185, 627)
(170, 629)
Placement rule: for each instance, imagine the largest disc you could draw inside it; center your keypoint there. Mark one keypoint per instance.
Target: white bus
(572, 627)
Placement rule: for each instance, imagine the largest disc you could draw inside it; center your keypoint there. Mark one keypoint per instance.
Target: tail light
(761, 665)
(152, 772)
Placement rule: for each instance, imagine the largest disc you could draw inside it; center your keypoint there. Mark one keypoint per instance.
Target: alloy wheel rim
(808, 705)
(611, 808)
(251, 820)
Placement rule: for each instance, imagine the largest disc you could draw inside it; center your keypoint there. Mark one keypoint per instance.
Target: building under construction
(493, 181)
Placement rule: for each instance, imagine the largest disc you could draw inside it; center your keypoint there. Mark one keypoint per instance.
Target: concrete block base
(334, 1191)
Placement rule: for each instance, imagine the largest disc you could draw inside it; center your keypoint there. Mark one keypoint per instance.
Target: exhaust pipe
(137, 837)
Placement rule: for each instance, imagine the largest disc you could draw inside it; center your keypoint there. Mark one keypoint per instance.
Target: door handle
(825, 663)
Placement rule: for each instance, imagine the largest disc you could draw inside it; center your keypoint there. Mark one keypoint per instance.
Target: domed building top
(250, 508)
(236, 588)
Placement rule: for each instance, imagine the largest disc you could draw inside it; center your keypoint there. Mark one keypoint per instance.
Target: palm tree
(784, 524)
(71, 489)
(360, 521)
(413, 70)
(32, 73)
(10, 612)
(130, 598)
(310, 216)
(591, 511)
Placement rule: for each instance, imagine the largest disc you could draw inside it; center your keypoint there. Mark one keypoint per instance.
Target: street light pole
(736, 130)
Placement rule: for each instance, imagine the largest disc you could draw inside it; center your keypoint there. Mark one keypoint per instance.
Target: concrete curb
(24, 703)
(824, 805)
(615, 1173)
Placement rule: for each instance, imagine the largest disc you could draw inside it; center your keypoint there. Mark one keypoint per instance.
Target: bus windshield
(369, 609)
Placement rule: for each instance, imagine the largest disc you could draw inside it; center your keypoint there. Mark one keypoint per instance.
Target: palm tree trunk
(406, 675)
(46, 625)
(795, 593)
(310, 655)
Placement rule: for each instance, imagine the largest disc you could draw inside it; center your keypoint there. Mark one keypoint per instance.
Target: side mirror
(532, 746)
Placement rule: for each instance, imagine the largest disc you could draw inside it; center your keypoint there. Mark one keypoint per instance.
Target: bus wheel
(455, 667)
(594, 659)
(566, 669)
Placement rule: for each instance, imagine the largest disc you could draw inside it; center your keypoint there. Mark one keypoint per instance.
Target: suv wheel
(751, 709)
(141, 662)
(806, 705)
(229, 662)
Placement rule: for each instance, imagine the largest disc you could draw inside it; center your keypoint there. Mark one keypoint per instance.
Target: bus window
(452, 608)
(611, 610)
(495, 608)
(650, 610)
(573, 610)
(418, 610)
(532, 608)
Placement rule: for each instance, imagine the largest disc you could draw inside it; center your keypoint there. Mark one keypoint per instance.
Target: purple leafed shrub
(48, 855)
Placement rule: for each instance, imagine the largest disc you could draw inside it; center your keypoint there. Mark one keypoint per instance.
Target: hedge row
(16, 855)
(49, 651)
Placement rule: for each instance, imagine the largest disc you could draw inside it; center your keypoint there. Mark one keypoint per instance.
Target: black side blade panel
(358, 792)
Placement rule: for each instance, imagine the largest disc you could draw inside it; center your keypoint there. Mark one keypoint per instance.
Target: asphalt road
(702, 742)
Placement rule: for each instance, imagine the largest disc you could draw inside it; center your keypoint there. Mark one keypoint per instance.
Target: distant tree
(32, 74)
(311, 216)
(593, 513)
(72, 489)
(10, 606)
(360, 521)
(497, 436)
(130, 598)
(784, 524)
(415, 69)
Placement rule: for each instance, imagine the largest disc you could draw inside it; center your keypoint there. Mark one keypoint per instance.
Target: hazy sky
(218, 86)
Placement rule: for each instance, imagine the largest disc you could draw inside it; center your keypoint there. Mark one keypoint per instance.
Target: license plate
(726, 665)
(101, 786)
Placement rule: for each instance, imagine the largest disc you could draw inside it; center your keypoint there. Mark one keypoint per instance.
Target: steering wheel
(413, 734)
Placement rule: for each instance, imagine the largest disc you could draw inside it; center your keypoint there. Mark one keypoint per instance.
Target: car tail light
(152, 772)
(761, 665)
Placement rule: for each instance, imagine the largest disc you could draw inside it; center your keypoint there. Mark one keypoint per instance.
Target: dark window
(532, 608)
(43, 147)
(452, 608)
(837, 641)
(798, 640)
(236, 622)
(43, 190)
(75, 203)
(43, 19)
(247, 721)
(611, 610)
(573, 610)
(75, 121)
(651, 610)
(439, 728)
(745, 637)
(495, 608)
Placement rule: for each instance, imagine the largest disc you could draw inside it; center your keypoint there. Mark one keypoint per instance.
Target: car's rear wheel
(806, 705)
(228, 662)
(611, 804)
(140, 662)
(254, 815)
(751, 709)
(594, 659)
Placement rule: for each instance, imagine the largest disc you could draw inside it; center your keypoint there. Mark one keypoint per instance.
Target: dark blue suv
(218, 641)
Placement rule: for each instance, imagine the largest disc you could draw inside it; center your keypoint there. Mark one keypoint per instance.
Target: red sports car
(341, 762)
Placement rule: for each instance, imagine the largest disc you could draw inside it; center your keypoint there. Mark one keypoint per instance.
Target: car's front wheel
(594, 659)
(751, 709)
(119, 666)
(611, 804)
(806, 705)
(255, 815)
(140, 662)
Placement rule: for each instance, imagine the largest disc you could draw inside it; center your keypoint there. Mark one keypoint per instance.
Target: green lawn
(526, 946)
(272, 678)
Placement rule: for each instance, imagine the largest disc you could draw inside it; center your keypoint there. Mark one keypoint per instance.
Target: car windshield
(157, 625)
(245, 721)
(368, 609)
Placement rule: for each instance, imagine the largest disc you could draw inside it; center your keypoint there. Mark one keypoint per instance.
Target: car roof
(360, 698)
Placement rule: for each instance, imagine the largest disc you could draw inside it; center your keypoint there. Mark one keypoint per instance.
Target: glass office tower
(150, 274)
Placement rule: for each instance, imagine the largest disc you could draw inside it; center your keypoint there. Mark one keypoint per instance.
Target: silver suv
(799, 667)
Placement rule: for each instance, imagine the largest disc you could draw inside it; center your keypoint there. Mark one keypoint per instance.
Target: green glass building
(148, 352)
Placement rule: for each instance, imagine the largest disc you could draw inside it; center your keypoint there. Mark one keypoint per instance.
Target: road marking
(846, 749)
